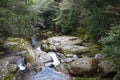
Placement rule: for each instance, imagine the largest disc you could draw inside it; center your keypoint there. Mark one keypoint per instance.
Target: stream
(47, 72)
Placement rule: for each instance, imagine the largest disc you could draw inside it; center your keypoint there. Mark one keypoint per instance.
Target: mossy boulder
(19, 45)
(16, 44)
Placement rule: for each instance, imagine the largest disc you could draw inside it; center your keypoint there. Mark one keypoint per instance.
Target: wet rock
(69, 55)
(12, 59)
(62, 68)
(75, 57)
(20, 45)
(100, 57)
(36, 67)
(60, 56)
(65, 44)
(44, 58)
(25, 75)
(68, 59)
(83, 66)
(29, 66)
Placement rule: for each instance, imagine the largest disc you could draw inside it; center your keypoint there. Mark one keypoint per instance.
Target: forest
(95, 22)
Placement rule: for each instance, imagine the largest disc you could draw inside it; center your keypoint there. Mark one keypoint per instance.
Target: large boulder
(44, 58)
(65, 44)
(16, 44)
(83, 66)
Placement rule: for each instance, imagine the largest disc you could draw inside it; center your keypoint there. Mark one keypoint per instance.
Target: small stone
(68, 59)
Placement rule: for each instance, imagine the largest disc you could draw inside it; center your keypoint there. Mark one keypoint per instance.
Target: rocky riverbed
(56, 58)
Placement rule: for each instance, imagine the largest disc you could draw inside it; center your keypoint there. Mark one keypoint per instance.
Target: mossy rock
(16, 44)
(30, 56)
(11, 77)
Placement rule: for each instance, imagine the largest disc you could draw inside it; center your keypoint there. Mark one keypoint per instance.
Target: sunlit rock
(44, 58)
(65, 44)
(16, 44)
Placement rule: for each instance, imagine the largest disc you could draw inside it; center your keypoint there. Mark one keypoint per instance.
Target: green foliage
(95, 18)
(16, 20)
(71, 19)
(111, 44)
(68, 22)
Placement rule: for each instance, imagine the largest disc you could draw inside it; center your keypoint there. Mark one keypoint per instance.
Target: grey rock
(100, 57)
(75, 57)
(62, 68)
(68, 59)
(65, 44)
(83, 66)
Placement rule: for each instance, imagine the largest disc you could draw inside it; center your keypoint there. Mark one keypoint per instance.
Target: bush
(111, 44)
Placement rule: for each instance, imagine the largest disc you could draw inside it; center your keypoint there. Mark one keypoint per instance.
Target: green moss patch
(10, 77)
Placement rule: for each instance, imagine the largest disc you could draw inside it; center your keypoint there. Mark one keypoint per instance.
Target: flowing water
(46, 73)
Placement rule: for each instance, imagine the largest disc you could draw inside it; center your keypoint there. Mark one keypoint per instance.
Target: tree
(16, 20)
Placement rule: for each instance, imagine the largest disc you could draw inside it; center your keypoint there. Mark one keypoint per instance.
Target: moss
(29, 57)
(78, 78)
(16, 44)
(10, 77)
